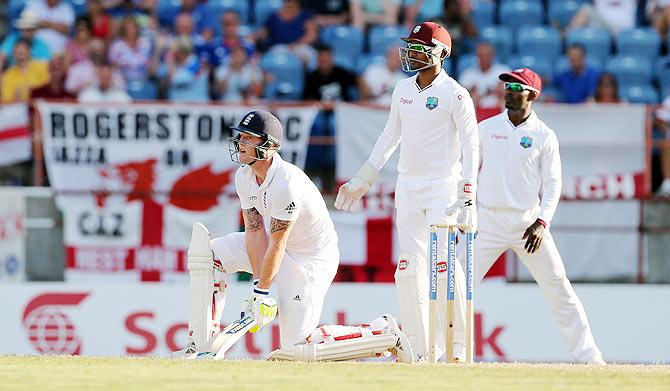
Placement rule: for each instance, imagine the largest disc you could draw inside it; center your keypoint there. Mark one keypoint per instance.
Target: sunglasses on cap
(517, 87)
(419, 47)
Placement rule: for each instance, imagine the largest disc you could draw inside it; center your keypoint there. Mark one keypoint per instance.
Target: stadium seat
(288, 75)
(483, 13)
(539, 41)
(630, 70)
(662, 74)
(382, 37)
(142, 90)
(346, 42)
(500, 37)
(541, 65)
(518, 13)
(563, 65)
(217, 7)
(560, 12)
(642, 42)
(263, 9)
(596, 41)
(639, 93)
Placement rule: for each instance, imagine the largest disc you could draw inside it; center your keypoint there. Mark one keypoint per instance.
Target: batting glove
(261, 306)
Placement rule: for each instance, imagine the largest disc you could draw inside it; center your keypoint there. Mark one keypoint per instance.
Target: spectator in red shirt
(55, 89)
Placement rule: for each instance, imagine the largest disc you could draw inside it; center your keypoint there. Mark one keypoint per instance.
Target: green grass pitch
(102, 373)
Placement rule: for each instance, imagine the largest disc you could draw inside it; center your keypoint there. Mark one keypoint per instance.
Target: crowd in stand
(230, 51)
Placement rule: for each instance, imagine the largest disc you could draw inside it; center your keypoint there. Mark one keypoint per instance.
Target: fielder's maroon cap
(431, 34)
(524, 76)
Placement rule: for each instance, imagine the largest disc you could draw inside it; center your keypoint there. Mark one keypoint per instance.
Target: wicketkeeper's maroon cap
(524, 76)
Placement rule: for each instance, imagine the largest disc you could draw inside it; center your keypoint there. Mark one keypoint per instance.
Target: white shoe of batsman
(189, 351)
(403, 349)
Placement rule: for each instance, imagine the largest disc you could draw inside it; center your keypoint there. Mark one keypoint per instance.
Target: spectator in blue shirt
(293, 28)
(578, 83)
(218, 50)
(27, 25)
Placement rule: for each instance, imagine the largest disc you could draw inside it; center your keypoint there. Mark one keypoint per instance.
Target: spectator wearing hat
(482, 79)
(105, 90)
(579, 82)
(84, 74)
(27, 25)
(56, 18)
(26, 74)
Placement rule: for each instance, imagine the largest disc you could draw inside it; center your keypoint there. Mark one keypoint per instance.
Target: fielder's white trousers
(300, 285)
(503, 229)
(419, 203)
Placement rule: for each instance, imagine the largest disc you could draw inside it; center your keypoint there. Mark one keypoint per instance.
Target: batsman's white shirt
(435, 124)
(520, 166)
(312, 256)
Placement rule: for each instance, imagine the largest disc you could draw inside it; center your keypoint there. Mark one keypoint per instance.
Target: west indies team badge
(526, 142)
(431, 102)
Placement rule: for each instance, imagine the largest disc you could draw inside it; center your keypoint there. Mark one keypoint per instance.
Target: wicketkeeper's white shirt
(520, 165)
(288, 194)
(433, 126)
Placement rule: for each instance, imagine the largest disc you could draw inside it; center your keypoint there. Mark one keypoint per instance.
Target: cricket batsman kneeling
(289, 240)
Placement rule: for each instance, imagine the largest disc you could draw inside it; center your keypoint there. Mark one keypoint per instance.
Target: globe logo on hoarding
(49, 329)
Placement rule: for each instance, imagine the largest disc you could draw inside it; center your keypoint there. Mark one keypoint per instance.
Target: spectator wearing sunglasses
(518, 191)
(434, 118)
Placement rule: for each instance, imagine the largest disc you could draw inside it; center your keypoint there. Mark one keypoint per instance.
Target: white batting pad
(201, 286)
(412, 291)
(348, 349)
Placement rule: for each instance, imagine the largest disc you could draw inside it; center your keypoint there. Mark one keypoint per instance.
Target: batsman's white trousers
(419, 203)
(300, 285)
(503, 229)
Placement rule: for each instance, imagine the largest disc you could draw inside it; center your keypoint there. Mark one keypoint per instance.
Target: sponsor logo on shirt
(290, 208)
(252, 198)
(498, 136)
(406, 101)
(402, 265)
(441, 267)
(526, 142)
(297, 298)
(431, 102)
(265, 199)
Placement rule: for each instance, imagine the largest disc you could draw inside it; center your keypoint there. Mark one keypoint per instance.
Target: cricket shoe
(189, 351)
(403, 349)
(596, 360)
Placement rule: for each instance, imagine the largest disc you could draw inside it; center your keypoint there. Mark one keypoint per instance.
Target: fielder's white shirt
(435, 124)
(288, 194)
(520, 166)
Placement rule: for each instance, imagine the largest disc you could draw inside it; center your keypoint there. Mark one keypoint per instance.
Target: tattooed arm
(256, 239)
(279, 232)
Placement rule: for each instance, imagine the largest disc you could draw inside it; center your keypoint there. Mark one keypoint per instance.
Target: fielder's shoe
(596, 360)
(403, 349)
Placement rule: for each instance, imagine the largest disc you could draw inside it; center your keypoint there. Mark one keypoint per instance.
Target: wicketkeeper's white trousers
(300, 285)
(503, 229)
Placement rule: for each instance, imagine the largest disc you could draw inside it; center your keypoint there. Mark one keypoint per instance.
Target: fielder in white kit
(519, 189)
(433, 120)
(289, 240)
